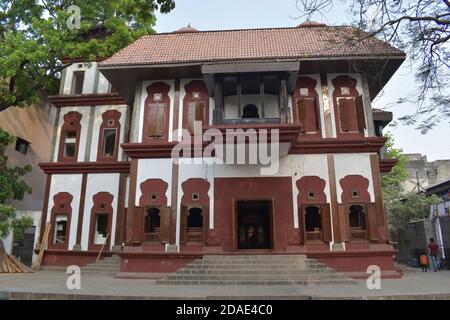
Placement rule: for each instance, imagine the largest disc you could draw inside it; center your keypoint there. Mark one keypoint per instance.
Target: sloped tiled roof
(315, 41)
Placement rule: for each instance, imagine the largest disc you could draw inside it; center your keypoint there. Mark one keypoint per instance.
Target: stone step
(253, 267)
(256, 270)
(103, 264)
(253, 278)
(99, 273)
(250, 271)
(258, 282)
(100, 269)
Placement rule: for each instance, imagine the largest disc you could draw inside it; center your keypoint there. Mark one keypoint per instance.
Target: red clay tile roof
(252, 44)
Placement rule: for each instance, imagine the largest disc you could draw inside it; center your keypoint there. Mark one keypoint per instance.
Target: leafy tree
(19, 225)
(11, 185)
(392, 181)
(414, 206)
(38, 36)
(402, 208)
(421, 28)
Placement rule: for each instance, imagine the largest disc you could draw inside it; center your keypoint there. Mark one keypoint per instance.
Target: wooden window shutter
(301, 111)
(183, 224)
(164, 231)
(310, 123)
(344, 229)
(326, 222)
(372, 221)
(156, 121)
(360, 117)
(160, 120)
(343, 104)
(138, 224)
(199, 111)
(317, 114)
(151, 121)
(301, 227)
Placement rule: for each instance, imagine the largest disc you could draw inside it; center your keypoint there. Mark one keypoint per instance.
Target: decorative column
(218, 97)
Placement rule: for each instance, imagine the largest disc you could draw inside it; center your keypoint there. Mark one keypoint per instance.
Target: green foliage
(402, 208)
(19, 225)
(35, 39)
(392, 181)
(413, 207)
(11, 185)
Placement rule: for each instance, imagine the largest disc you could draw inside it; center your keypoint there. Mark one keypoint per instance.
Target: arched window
(306, 101)
(349, 108)
(60, 221)
(195, 225)
(152, 224)
(156, 113)
(250, 111)
(195, 104)
(70, 137)
(109, 136)
(313, 223)
(357, 222)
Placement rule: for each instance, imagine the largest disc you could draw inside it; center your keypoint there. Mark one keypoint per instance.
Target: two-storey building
(113, 179)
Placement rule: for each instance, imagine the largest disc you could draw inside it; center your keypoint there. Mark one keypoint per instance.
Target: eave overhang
(81, 100)
(85, 167)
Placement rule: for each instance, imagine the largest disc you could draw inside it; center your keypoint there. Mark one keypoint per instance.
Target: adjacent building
(424, 174)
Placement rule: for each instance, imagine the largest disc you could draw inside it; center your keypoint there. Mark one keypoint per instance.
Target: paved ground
(52, 285)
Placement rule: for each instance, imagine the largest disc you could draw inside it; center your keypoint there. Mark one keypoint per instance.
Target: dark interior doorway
(254, 223)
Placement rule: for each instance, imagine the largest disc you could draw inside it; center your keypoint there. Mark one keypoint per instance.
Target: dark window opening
(313, 223)
(109, 142)
(69, 143)
(357, 222)
(60, 229)
(152, 224)
(78, 82)
(195, 218)
(22, 145)
(101, 228)
(195, 225)
(250, 112)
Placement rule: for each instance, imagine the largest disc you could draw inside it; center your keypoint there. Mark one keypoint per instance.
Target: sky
(242, 14)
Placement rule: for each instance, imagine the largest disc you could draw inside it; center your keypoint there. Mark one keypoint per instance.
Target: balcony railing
(249, 121)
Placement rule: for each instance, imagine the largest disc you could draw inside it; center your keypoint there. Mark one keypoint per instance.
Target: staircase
(255, 270)
(109, 266)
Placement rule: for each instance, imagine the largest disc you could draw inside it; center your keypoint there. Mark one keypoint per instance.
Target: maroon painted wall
(277, 189)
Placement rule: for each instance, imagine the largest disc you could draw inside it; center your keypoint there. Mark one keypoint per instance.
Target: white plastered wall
(96, 129)
(154, 169)
(85, 112)
(353, 164)
(99, 182)
(144, 94)
(70, 183)
(90, 69)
